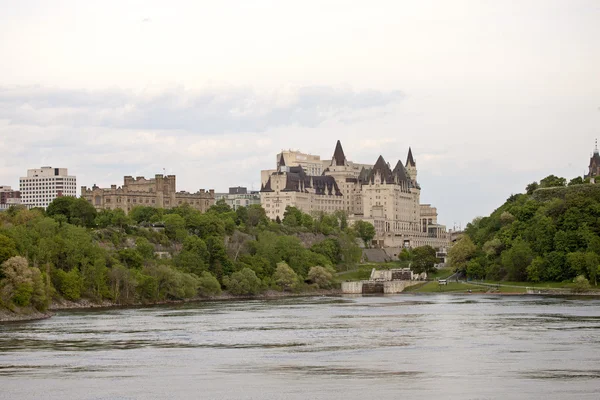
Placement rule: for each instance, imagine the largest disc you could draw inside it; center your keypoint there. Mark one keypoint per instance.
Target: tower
(411, 166)
(594, 167)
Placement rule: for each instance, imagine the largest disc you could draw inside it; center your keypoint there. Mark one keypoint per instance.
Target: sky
(490, 95)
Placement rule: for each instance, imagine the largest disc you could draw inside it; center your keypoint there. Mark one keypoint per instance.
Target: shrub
(244, 282)
(208, 285)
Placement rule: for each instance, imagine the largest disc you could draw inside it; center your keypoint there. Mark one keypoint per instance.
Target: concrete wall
(352, 287)
(397, 286)
(368, 287)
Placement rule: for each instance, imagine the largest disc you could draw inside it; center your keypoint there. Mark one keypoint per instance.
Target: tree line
(549, 233)
(71, 251)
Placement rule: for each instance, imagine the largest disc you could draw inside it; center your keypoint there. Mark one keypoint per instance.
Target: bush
(69, 284)
(285, 277)
(208, 285)
(581, 284)
(244, 282)
(17, 285)
(320, 276)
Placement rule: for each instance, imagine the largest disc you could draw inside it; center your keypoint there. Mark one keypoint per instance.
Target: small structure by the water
(384, 281)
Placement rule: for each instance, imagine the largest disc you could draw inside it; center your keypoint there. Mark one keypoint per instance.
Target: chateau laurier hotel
(388, 198)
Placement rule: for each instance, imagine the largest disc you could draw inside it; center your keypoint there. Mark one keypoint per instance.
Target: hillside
(551, 233)
(70, 252)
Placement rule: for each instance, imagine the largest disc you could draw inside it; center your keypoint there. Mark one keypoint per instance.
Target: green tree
(95, 279)
(8, 249)
(516, 260)
(82, 212)
(285, 277)
(208, 285)
(576, 181)
(144, 247)
(365, 231)
(175, 227)
(581, 284)
(257, 216)
(552, 181)
(532, 187)
(321, 276)
(461, 252)
(292, 216)
(423, 259)
(475, 270)
(69, 284)
(61, 206)
(17, 285)
(244, 282)
(220, 207)
(535, 270)
(131, 258)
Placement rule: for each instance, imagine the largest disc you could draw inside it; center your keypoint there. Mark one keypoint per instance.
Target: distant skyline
(490, 95)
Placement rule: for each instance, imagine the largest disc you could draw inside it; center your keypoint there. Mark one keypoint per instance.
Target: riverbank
(30, 314)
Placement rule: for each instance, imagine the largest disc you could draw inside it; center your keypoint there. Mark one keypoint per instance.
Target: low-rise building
(9, 197)
(159, 191)
(41, 186)
(239, 197)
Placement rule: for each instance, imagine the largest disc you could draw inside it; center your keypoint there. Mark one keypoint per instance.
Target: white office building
(43, 185)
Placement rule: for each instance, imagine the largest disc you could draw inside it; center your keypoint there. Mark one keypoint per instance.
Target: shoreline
(8, 316)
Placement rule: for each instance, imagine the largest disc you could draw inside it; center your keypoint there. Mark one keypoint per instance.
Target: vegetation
(152, 255)
(549, 234)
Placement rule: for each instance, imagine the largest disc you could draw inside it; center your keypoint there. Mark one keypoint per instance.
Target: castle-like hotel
(386, 197)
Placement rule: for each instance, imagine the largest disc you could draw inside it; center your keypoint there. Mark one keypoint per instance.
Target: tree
(320, 276)
(175, 227)
(257, 215)
(69, 284)
(475, 270)
(365, 231)
(82, 212)
(532, 187)
(220, 207)
(60, 206)
(581, 284)
(17, 285)
(292, 216)
(576, 181)
(552, 181)
(535, 270)
(144, 247)
(131, 258)
(423, 259)
(8, 249)
(208, 285)
(244, 282)
(517, 259)
(285, 277)
(462, 252)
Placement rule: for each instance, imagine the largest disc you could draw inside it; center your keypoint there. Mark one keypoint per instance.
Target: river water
(404, 346)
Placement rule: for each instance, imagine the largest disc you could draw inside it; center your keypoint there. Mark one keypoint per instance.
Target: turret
(339, 158)
(411, 166)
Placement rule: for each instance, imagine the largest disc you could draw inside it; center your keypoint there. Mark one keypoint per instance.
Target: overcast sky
(491, 95)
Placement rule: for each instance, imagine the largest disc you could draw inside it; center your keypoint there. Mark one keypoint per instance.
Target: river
(404, 346)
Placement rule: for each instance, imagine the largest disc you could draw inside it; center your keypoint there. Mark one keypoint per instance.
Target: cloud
(210, 111)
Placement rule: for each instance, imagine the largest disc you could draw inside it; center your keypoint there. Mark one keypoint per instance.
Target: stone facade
(159, 191)
(594, 167)
(387, 198)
